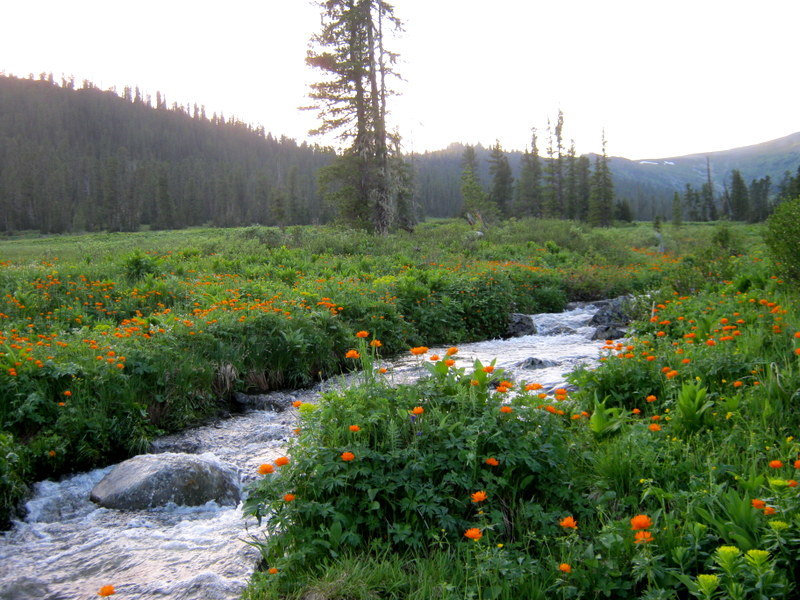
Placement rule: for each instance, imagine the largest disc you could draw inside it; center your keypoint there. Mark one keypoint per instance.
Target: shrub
(783, 238)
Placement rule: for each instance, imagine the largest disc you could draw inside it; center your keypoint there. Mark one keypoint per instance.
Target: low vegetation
(670, 471)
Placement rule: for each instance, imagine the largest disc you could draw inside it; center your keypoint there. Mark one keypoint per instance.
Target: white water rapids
(67, 547)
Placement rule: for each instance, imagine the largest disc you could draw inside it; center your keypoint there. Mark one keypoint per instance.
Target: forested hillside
(85, 159)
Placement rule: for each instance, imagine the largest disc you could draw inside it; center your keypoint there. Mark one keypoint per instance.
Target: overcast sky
(662, 78)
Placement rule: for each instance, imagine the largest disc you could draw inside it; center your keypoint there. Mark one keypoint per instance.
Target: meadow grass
(670, 472)
(109, 339)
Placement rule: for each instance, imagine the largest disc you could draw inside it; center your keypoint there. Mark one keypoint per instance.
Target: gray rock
(519, 325)
(536, 363)
(150, 480)
(607, 332)
(614, 313)
(277, 401)
(560, 330)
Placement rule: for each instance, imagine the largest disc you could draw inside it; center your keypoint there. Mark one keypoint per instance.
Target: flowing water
(67, 547)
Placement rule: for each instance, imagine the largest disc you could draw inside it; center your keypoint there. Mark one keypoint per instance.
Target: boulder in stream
(536, 363)
(607, 332)
(151, 480)
(519, 325)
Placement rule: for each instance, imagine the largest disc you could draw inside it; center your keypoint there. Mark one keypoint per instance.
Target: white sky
(663, 78)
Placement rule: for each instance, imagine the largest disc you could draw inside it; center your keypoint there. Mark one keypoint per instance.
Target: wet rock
(182, 445)
(519, 325)
(560, 330)
(614, 313)
(607, 332)
(151, 480)
(536, 363)
(277, 401)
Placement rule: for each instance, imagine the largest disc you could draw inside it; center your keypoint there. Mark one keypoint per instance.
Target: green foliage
(783, 238)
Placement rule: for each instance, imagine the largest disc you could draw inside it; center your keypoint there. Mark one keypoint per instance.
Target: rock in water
(150, 480)
(519, 325)
(536, 363)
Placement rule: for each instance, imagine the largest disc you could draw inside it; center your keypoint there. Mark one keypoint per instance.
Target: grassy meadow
(667, 473)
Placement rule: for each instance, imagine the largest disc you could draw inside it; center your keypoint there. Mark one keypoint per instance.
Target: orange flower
(474, 382)
(297, 403)
(652, 398)
(451, 351)
(417, 410)
(565, 568)
(775, 464)
(52, 453)
(737, 384)
(791, 483)
(501, 389)
(531, 387)
(434, 357)
(419, 350)
(348, 456)
(281, 461)
(354, 428)
(449, 362)
(797, 464)
(636, 411)
(654, 427)
(383, 370)
(506, 409)
(473, 533)
(352, 354)
(568, 523)
(272, 571)
(642, 537)
(265, 469)
(492, 461)
(362, 334)
(107, 590)
(769, 510)
(757, 503)
(376, 343)
(478, 496)
(671, 374)
(488, 369)
(641, 522)
(289, 497)
(67, 393)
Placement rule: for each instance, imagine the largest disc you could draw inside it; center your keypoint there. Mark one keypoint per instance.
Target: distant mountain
(657, 179)
(648, 184)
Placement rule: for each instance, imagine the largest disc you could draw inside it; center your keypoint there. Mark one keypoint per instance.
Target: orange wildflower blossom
(376, 343)
(791, 483)
(478, 496)
(492, 461)
(488, 369)
(797, 464)
(651, 397)
(348, 456)
(473, 533)
(419, 350)
(265, 469)
(641, 522)
(383, 370)
(352, 354)
(417, 410)
(434, 357)
(67, 393)
(642, 537)
(654, 427)
(568, 523)
(106, 590)
(354, 428)
(565, 568)
(289, 497)
(282, 461)
(474, 382)
(501, 389)
(272, 571)
(769, 510)
(449, 362)
(506, 409)
(775, 464)
(297, 403)
(451, 351)
(532, 387)
(757, 503)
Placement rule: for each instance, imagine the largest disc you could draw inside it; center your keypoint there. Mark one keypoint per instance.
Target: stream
(66, 547)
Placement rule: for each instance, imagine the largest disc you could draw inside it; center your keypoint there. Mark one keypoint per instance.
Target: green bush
(783, 238)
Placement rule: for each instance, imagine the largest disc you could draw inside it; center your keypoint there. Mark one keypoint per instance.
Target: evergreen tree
(759, 199)
(502, 185)
(584, 188)
(707, 195)
(571, 201)
(529, 184)
(691, 200)
(677, 210)
(351, 99)
(622, 211)
(740, 202)
(601, 199)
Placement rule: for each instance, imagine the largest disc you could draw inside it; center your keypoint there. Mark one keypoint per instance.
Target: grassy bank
(109, 339)
(670, 473)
